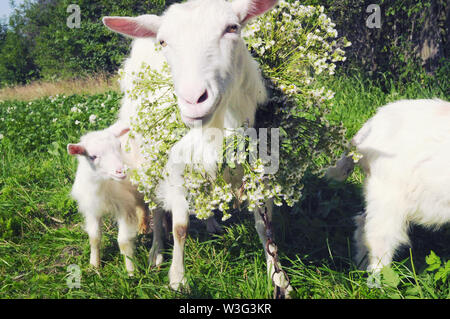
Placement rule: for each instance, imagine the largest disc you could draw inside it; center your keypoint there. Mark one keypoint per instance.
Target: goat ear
(123, 132)
(120, 132)
(76, 149)
(248, 9)
(118, 129)
(145, 26)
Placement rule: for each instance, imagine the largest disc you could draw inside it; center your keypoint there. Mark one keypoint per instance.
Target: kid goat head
(202, 44)
(102, 151)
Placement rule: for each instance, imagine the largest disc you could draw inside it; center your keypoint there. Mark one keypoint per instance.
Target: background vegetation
(41, 231)
(35, 43)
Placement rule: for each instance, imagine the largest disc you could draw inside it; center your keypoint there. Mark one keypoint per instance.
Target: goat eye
(163, 43)
(232, 29)
(92, 157)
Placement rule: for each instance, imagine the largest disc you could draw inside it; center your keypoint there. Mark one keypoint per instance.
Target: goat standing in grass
(101, 187)
(405, 152)
(217, 83)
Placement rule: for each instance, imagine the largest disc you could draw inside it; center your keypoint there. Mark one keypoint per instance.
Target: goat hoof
(94, 262)
(155, 259)
(180, 286)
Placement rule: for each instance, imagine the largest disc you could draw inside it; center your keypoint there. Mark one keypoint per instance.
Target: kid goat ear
(75, 149)
(118, 129)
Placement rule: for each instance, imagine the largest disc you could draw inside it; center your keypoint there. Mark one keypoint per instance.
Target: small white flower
(77, 122)
(92, 118)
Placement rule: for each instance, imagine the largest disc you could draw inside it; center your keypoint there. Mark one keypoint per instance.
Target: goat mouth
(190, 121)
(204, 119)
(118, 177)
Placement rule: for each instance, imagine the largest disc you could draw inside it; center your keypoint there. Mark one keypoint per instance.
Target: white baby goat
(101, 187)
(217, 83)
(406, 157)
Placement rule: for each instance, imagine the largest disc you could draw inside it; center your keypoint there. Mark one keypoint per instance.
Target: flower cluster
(296, 37)
(293, 44)
(206, 193)
(157, 124)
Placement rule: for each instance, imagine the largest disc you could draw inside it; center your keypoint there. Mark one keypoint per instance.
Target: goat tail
(343, 168)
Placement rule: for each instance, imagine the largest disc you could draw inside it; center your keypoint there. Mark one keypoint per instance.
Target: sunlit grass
(314, 237)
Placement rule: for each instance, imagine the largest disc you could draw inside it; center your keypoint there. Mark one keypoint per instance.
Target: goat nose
(196, 98)
(119, 171)
(203, 97)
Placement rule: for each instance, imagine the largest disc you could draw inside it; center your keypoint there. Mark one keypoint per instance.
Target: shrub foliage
(413, 37)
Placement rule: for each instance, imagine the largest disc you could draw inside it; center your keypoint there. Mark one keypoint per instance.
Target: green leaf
(390, 277)
(433, 261)
(413, 292)
(442, 273)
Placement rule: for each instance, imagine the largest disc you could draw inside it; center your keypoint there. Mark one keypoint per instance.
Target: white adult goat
(101, 187)
(143, 51)
(216, 81)
(405, 151)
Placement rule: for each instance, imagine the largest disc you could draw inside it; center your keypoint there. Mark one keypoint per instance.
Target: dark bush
(413, 38)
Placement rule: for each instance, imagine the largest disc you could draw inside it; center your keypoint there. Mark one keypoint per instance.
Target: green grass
(41, 231)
